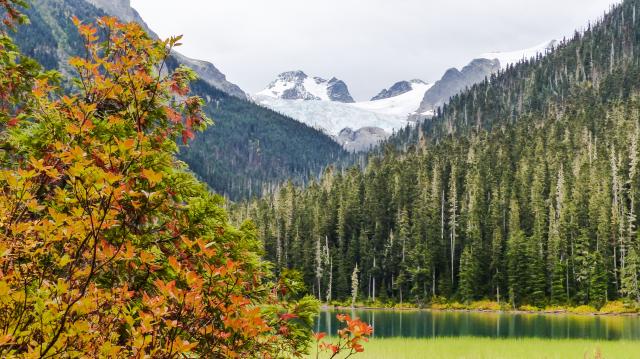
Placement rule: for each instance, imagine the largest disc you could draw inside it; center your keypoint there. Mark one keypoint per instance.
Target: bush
(555, 309)
(529, 308)
(486, 305)
(439, 306)
(583, 309)
(616, 307)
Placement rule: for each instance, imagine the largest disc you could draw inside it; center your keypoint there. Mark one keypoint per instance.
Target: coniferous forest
(523, 189)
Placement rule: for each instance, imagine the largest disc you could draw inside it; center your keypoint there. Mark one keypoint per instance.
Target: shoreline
(515, 311)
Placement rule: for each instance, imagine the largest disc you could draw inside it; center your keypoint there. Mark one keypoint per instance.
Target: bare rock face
(454, 81)
(210, 74)
(338, 91)
(119, 8)
(397, 89)
(361, 140)
(206, 71)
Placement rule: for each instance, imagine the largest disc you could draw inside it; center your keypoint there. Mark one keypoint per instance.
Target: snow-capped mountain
(296, 85)
(356, 125)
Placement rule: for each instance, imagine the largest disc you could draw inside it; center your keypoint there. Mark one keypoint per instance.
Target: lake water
(428, 324)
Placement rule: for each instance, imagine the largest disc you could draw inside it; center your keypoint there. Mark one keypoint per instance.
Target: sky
(370, 44)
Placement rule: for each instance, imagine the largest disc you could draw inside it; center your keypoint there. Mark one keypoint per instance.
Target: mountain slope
(454, 81)
(248, 148)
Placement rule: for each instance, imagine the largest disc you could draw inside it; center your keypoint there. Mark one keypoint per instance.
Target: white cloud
(368, 43)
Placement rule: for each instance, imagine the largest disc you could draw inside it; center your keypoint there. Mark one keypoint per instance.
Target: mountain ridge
(206, 70)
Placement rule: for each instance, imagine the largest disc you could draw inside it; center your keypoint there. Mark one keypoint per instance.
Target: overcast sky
(370, 44)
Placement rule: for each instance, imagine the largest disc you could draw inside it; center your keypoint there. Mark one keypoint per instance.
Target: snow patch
(513, 57)
(317, 87)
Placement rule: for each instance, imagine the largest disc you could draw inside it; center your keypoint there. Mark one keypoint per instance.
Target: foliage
(108, 246)
(583, 309)
(350, 338)
(616, 307)
(486, 305)
(529, 308)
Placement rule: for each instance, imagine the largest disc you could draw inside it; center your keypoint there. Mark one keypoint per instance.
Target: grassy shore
(481, 348)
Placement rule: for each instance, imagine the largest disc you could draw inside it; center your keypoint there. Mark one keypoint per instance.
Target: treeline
(544, 212)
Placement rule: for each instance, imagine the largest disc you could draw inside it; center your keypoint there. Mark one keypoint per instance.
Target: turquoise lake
(429, 324)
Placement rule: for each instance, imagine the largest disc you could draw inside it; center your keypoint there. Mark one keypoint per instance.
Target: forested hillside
(525, 189)
(248, 148)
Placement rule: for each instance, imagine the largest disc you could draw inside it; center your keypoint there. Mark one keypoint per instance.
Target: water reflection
(426, 324)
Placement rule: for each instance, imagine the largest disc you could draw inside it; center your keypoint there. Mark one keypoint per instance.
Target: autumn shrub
(350, 339)
(109, 247)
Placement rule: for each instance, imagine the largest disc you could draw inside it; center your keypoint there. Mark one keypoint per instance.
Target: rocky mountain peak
(297, 85)
(397, 89)
(338, 91)
(293, 76)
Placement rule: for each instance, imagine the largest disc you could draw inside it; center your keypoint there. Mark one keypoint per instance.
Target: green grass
(476, 348)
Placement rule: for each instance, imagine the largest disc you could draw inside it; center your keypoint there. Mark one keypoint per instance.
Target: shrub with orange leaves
(351, 338)
(109, 247)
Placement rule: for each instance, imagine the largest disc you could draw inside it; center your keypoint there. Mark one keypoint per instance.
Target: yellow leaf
(151, 176)
(111, 178)
(4, 288)
(64, 261)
